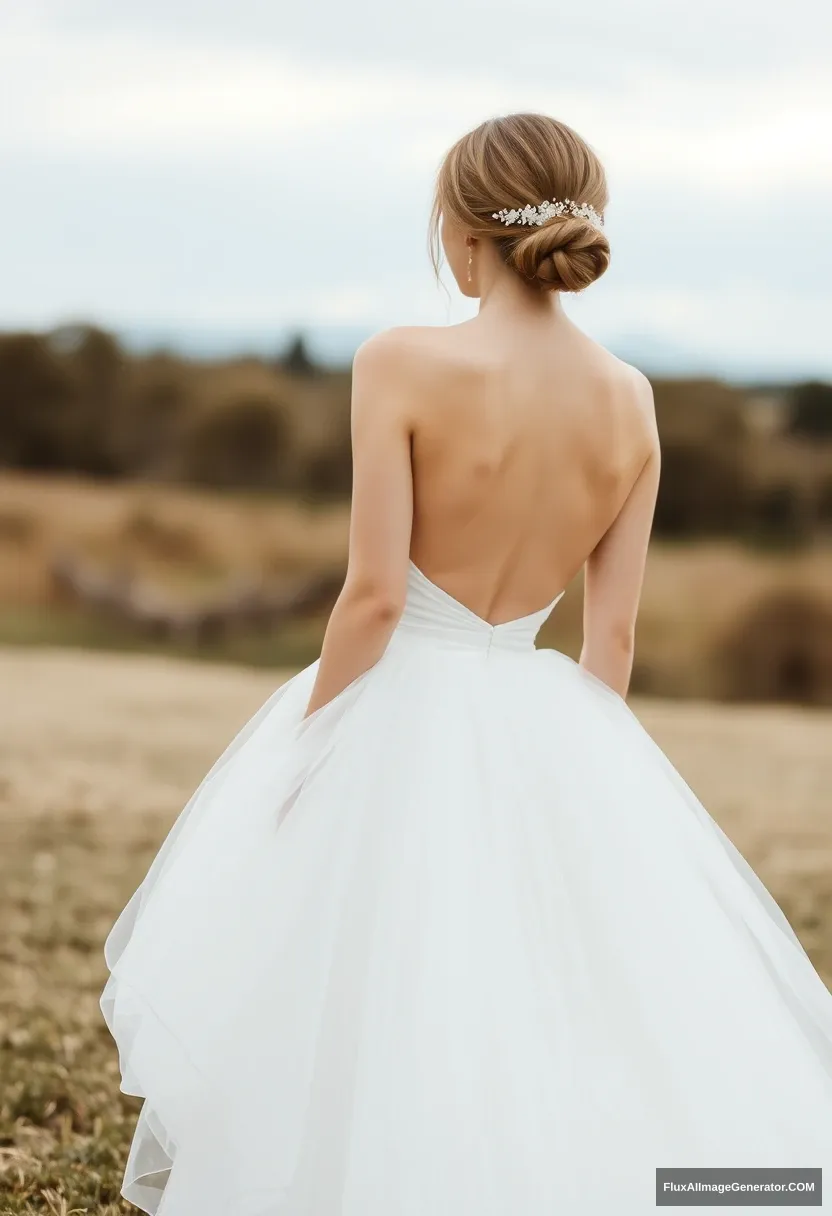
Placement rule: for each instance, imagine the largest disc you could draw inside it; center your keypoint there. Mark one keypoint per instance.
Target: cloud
(598, 45)
(182, 163)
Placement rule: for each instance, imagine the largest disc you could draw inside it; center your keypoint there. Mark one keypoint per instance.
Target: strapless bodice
(431, 614)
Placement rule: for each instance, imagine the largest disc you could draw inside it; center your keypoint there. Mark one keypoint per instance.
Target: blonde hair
(518, 160)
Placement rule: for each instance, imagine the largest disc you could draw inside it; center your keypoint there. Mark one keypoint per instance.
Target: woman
(443, 933)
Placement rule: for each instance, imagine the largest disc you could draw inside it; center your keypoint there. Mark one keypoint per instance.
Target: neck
(504, 292)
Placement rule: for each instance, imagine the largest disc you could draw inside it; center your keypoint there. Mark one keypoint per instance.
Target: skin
(502, 455)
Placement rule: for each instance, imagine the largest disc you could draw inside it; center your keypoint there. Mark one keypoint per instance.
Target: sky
(263, 166)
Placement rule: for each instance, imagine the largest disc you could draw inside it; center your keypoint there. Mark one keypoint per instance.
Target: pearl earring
(470, 263)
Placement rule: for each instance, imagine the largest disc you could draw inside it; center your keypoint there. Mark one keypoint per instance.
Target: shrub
(811, 410)
(37, 405)
(240, 443)
(702, 492)
(824, 503)
(779, 515)
(156, 404)
(98, 368)
(780, 650)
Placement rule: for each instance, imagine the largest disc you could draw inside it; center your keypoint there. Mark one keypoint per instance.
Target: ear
(470, 241)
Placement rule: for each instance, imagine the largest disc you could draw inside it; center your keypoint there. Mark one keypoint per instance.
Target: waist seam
(463, 643)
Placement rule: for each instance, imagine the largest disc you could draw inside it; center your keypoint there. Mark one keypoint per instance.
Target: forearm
(610, 659)
(360, 626)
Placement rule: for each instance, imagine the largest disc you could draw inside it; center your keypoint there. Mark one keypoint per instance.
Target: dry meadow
(699, 598)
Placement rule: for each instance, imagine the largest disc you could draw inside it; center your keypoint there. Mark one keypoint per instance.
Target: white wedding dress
(461, 943)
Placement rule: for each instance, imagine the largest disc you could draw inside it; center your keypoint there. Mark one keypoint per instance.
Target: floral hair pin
(549, 211)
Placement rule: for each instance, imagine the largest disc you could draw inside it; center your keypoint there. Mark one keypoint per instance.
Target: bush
(824, 503)
(702, 492)
(811, 410)
(98, 368)
(238, 444)
(779, 516)
(328, 474)
(154, 411)
(780, 651)
(38, 401)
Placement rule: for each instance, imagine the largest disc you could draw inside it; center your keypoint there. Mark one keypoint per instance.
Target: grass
(294, 644)
(64, 1126)
(186, 540)
(97, 755)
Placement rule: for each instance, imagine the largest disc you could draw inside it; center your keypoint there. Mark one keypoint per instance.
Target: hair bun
(485, 186)
(566, 254)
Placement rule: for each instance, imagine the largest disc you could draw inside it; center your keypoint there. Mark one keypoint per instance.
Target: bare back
(526, 446)
(500, 456)
(503, 455)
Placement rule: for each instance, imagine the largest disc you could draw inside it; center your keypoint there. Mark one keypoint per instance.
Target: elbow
(385, 610)
(609, 655)
(615, 640)
(622, 638)
(379, 605)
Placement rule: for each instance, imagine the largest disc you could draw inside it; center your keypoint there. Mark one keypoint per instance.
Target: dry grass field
(97, 755)
(190, 543)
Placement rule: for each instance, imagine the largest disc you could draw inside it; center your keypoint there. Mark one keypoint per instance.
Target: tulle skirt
(462, 943)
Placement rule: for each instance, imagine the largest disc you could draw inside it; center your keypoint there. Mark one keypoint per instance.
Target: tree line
(749, 461)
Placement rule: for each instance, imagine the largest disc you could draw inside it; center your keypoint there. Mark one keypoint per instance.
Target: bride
(443, 933)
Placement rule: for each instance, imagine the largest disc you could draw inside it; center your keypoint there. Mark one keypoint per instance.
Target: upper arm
(615, 569)
(381, 516)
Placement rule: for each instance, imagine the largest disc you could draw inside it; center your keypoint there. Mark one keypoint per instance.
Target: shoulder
(619, 377)
(636, 391)
(634, 383)
(400, 348)
(420, 352)
(401, 368)
(645, 412)
(388, 379)
(630, 396)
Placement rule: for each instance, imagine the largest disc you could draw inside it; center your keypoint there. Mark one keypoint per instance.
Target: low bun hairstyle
(565, 254)
(518, 160)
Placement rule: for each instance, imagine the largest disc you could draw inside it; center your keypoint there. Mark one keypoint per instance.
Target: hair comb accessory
(536, 216)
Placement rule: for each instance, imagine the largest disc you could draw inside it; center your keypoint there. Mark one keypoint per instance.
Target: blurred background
(205, 208)
(206, 212)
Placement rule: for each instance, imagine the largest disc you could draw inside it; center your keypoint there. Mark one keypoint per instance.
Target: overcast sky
(254, 164)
